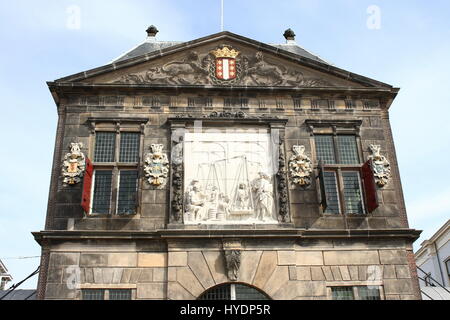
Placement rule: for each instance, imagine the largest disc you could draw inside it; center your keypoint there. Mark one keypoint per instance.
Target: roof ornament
(152, 31)
(289, 34)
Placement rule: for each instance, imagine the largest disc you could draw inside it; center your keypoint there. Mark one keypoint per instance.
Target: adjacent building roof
(19, 295)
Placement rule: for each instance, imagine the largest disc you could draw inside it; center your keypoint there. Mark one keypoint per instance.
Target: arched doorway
(233, 291)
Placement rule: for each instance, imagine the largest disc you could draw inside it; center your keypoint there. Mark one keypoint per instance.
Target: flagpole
(221, 16)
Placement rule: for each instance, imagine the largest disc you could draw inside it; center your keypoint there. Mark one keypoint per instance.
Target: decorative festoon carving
(156, 166)
(74, 164)
(232, 253)
(223, 66)
(282, 184)
(380, 166)
(300, 167)
(177, 180)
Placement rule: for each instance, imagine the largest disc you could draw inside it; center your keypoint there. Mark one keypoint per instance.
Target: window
(341, 165)
(356, 293)
(115, 179)
(233, 292)
(106, 294)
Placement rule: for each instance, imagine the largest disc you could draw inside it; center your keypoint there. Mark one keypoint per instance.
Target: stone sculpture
(74, 164)
(300, 167)
(156, 166)
(380, 166)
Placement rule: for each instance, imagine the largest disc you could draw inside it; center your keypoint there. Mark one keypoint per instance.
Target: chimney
(151, 33)
(289, 35)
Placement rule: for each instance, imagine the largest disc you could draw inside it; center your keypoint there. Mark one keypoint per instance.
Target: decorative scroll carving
(177, 180)
(201, 69)
(282, 185)
(300, 167)
(228, 115)
(156, 166)
(232, 253)
(380, 166)
(74, 164)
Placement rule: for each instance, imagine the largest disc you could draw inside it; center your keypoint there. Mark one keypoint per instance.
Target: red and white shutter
(87, 186)
(370, 188)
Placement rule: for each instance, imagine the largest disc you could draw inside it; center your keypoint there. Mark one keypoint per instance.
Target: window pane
(102, 191)
(129, 147)
(369, 293)
(352, 192)
(105, 143)
(248, 293)
(348, 150)
(120, 294)
(127, 192)
(96, 294)
(325, 149)
(331, 192)
(219, 293)
(342, 293)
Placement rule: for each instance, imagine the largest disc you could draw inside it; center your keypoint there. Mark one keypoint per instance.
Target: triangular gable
(199, 63)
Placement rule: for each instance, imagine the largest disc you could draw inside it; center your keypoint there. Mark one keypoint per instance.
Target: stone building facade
(223, 164)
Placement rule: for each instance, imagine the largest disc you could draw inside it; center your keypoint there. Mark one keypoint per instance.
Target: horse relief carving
(206, 68)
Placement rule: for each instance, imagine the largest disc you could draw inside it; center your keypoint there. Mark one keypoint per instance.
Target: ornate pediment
(225, 63)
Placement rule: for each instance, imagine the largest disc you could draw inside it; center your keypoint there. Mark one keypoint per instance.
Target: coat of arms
(156, 166)
(300, 166)
(74, 164)
(226, 68)
(380, 166)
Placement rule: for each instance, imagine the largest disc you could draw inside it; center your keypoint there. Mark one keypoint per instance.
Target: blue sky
(40, 42)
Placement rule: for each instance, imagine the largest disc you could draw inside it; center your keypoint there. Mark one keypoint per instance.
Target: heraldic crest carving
(156, 166)
(300, 167)
(74, 164)
(380, 166)
(226, 68)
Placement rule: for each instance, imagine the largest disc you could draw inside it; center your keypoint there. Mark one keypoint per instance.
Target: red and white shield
(225, 68)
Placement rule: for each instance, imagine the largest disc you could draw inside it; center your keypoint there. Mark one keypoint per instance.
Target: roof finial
(289, 34)
(152, 31)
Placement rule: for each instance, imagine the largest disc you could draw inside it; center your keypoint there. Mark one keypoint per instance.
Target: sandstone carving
(156, 166)
(300, 167)
(74, 164)
(380, 166)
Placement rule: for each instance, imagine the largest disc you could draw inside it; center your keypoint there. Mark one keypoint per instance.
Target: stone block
(117, 275)
(389, 272)
(54, 275)
(309, 258)
(286, 258)
(172, 274)
(287, 291)
(159, 275)
(353, 270)
(304, 288)
(94, 260)
(360, 257)
(249, 265)
(266, 266)
(59, 291)
(64, 259)
(108, 274)
(150, 291)
(122, 259)
(189, 281)
(319, 288)
(98, 275)
(317, 273)
(402, 272)
(328, 273)
(146, 276)
(393, 257)
(216, 264)
(345, 274)
(398, 286)
(177, 292)
(178, 259)
(276, 280)
(408, 297)
(135, 274)
(336, 273)
(293, 273)
(198, 265)
(126, 275)
(88, 275)
(157, 259)
(362, 271)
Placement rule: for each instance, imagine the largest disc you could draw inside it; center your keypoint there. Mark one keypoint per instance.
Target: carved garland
(74, 164)
(177, 180)
(282, 185)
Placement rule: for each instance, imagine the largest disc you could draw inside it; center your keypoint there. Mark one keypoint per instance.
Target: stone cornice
(187, 234)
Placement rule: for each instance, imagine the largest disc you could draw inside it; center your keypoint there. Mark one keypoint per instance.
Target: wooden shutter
(87, 186)
(370, 189)
(323, 194)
